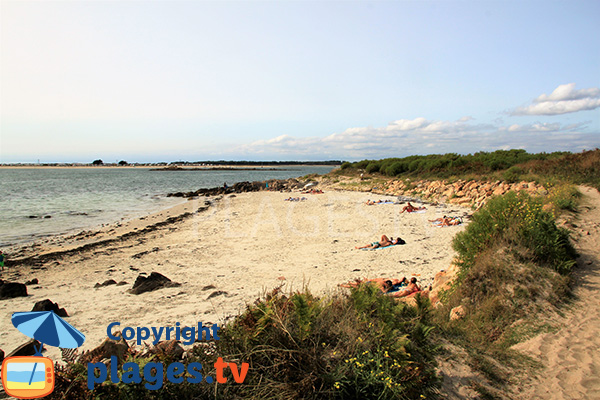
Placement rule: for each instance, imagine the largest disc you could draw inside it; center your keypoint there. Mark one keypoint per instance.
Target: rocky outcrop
(26, 349)
(9, 290)
(442, 281)
(48, 305)
(150, 283)
(244, 187)
(462, 192)
(105, 283)
(467, 193)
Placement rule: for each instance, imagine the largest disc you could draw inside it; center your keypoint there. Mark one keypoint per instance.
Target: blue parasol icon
(48, 328)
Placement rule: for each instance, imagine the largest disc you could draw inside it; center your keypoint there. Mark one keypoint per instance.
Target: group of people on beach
(295, 199)
(391, 287)
(384, 242)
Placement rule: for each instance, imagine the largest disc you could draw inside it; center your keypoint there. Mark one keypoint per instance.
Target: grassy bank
(515, 266)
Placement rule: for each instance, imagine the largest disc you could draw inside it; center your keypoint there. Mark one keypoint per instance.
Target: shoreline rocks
(153, 282)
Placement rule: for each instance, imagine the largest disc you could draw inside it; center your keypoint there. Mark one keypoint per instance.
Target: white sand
(243, 245)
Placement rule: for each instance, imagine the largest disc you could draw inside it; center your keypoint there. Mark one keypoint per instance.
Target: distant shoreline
(159, 167)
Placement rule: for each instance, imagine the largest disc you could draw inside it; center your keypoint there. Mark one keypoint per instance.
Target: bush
(372, 167)
(345, 165)
(520, 220)
(513, 174)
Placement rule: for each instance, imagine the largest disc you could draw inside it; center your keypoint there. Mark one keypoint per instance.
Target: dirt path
(571, 356)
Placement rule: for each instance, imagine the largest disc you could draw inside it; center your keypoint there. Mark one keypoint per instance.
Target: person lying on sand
(371, 202)
(385, 241)
(385, 285)
(410, 208)
(411, 288)
(312, 191)
(446, 221)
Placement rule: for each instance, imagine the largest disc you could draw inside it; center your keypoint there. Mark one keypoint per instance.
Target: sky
(147, 81)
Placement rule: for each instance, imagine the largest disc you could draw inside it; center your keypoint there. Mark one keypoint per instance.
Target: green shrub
(372, 167)
(346, 165)
(513, 174)
(520, 220)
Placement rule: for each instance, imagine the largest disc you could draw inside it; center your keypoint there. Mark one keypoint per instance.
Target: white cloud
(564, 99)
(422, 136)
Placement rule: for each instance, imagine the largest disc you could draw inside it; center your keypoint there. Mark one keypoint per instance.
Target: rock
(215, 294)
(106, 283)
(153, 282)
(26, 349)
(442, 281)
(171, 348)
(122, 283)
(34, 281)
(48, 305)
(9, 290)
(108, 348)
(457, 313)
(1, 355)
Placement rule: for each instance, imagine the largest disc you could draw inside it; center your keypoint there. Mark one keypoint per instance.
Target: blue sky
(168, 80)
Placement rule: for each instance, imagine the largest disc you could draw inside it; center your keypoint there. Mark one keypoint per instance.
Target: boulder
(26, 349)
(1, 355)
(442, 281)
(106, 283)
(48, 305)
(457, 313)
(171, 348)
(9, 290)
(153, 282)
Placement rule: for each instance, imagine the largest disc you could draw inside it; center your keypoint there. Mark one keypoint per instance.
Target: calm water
(83, 198)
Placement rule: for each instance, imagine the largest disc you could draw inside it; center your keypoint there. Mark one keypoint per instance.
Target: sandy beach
(225, 252)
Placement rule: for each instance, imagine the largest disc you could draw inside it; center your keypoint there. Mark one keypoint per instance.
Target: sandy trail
(571, 356)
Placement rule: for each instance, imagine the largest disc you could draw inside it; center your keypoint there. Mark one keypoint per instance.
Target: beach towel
(417, 212)
(384, 247)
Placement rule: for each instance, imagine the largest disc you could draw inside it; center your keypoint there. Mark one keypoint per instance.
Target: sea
(40, 202)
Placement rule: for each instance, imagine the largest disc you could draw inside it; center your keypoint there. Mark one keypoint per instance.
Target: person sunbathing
(384, 242)
(438, 219)
(411, 288)
(410, 208)
(446, 221)
(385, 285)
(371, 202)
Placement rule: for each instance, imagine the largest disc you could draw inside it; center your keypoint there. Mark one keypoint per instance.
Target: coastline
(225, 254)
(165, 167)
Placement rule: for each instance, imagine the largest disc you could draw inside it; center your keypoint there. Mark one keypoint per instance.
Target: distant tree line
(510, 165)
(450, 163)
